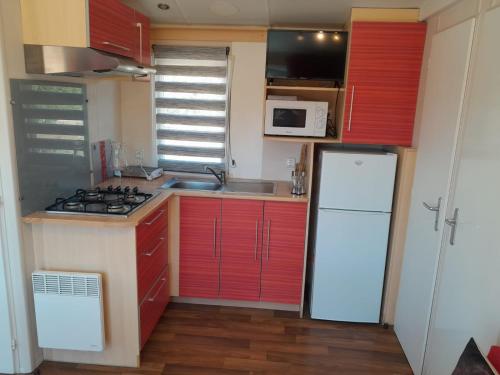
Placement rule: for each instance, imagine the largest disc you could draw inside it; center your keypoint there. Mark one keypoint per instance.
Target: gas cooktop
(116, 201)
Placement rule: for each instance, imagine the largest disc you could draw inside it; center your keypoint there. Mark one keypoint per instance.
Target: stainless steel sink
(235, 187)
(250, 187)
(174, 183)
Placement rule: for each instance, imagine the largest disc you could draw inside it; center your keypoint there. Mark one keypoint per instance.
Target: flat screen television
(312, 55)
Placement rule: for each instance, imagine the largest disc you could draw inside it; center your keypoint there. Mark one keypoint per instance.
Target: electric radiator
(69, 310)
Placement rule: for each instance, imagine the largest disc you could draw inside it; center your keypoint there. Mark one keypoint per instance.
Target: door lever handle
(435, 209)
(453, 222)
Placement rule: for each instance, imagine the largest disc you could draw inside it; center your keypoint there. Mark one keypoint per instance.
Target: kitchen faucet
(220, 176)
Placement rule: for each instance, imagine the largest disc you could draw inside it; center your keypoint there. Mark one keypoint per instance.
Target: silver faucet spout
(220, 176)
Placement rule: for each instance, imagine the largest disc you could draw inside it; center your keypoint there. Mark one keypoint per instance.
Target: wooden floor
(211, 340)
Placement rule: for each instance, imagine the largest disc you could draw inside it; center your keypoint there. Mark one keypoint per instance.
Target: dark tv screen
(313, 55)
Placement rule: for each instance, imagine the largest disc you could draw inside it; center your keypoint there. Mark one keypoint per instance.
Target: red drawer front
(112, 27)
(153, 306)
(152, 225)
(152, 258)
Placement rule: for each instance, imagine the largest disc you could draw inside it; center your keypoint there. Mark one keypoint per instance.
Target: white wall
(255, 158)
(431, 7)
(104, 115)
(136, 125)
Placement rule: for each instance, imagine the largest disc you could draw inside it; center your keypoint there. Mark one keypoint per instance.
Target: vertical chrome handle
(453, 222)
(436, 210)
(268, 237)
(350, 108)
(256, 238)
(215, 237)
(139, 25)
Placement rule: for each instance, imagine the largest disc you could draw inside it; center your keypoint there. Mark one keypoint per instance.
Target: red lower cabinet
(283, 252)
(153, 306)
(200, 220)
(152, 269)
(241, 247)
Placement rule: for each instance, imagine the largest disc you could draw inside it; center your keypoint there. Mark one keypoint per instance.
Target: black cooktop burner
(111, 201)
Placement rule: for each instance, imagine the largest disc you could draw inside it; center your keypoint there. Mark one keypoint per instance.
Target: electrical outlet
(290, 164)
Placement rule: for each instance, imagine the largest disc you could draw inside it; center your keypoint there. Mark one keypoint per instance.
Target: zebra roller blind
(191, 101)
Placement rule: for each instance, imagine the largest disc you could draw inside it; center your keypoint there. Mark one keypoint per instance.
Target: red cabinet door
(200, 221)
(142, 48)
(241, 245)
(112, 27)
(283, 252)
(382, 82)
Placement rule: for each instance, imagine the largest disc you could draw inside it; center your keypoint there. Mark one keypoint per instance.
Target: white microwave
(296, 118)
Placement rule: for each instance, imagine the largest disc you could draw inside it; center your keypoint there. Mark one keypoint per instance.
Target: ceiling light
(300, 37)
(336, 37)
(163, 6)
(320, 35)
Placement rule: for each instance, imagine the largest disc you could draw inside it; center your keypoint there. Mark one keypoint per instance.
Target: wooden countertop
(282, 194)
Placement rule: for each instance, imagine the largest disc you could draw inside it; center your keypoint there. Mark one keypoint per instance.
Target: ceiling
(259, 12)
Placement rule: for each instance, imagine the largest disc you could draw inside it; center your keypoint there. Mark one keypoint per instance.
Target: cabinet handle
(151, 253)
(350, 108)
(152, 299)
(139, 25)
(435, 209)
(115, 45)
(155, 218)
(215, 237)
(256, 238)
(268, 237)
(453, 222)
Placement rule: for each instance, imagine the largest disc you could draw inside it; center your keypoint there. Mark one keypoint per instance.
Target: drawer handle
(155, 218)
(164, 281)
(116, 46)
(151, 253)
(268, 237)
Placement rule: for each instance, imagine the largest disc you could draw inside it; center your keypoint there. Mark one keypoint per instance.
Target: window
(52, 146)
(191, 101)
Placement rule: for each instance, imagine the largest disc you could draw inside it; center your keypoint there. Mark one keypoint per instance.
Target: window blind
(52, 145)
(191, 102)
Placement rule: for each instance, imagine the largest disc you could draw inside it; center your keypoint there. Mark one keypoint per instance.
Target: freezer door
(349, 265)
(357, 181)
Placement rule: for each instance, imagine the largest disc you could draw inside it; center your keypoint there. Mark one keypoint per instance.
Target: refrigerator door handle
(453, 224)
(436, 209)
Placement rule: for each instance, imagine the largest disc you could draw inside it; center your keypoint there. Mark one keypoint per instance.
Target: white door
(357, 181)
(444, 93)
(6, 353)
(349, 265)
(467, 302)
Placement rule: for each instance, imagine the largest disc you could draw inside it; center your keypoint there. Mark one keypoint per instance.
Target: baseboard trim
(247, 304)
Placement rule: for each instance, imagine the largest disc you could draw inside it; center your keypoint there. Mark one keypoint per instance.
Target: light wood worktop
(282, 194)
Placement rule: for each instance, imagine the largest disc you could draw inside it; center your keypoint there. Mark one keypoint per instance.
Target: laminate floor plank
(218, 340)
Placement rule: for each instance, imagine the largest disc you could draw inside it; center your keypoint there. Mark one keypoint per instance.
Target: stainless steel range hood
(74, 61)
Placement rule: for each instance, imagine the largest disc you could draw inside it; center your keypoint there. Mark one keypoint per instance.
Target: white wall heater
(69, 310)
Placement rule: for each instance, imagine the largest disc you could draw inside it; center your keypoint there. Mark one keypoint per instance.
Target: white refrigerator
(352, 229)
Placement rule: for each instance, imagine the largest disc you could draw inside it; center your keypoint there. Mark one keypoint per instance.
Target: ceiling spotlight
(320, 35)
(163, 6)
(300, 37)
(336, 37)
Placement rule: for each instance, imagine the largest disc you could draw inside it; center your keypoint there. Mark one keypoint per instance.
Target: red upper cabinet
(200, 220)
(283, 252)
(142, 48)
(241, 243)
(112, 27)
(382, 82)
